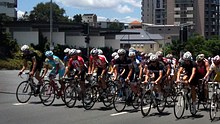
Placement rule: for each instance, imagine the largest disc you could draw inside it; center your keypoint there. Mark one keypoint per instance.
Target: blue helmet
(48, 53)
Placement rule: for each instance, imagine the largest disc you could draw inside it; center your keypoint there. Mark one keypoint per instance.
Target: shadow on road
(4, 92)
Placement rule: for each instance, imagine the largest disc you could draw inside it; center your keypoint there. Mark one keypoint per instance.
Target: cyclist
(123, 66)
(155, 68)
(36, 65)
(189, 66)
(99, 65)
(57, 67)
(202, 69)
(66, 57)
(76, 62)
(215, 66)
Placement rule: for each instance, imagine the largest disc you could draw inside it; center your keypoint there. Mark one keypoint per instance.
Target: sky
(123, 10)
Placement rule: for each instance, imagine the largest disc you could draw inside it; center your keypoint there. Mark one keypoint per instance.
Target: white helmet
(153, 57)
(200, 57)
(24, 48)
(48, 53)
(116, 57)
(94, 51)
(169, 56)
(159, 53)
(187, 56)
(216, 59)
(66, 50)
(73, 52)
(114, 54)
(121, 51)
(100, 52)
(132, 49)
(79, 51)
(131, 54)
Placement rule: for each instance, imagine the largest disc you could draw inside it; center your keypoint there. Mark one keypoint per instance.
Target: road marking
(146, 107)
(17, 104)
(118, 113)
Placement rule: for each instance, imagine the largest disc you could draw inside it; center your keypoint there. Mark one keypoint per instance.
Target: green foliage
(115, 25)
(41, 12)
(77, 18)
(11, 64)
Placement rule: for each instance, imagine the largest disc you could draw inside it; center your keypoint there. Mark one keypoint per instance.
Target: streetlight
(51, 26)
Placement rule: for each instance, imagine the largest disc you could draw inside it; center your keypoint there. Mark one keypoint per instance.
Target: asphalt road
(33, 112)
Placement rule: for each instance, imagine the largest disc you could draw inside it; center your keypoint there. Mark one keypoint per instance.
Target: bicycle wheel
(146, 103)
(89, 98)
(119, 100)
(110, 91)
(179, 105)
(70, 96)
(23, 92)
(47, 94)
(213, 107)
(161, 104)
(136, 101)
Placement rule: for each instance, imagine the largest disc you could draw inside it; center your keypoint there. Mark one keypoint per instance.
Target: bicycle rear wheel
(70, 96)
(119, 100)
(146, 103)
(47, 94)
(23, 92)
(213, 107)
(136, 101)
(161, 104)
(179, 105)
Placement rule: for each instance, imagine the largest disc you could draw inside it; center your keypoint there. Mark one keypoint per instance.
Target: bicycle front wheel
(110, 91)
(213, 107)
(119, 100)
(179, 105)
(23, 92)
(70, 96)
(146, 103)
(47, 94)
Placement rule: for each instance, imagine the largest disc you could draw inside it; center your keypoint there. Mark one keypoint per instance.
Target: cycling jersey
(156, 68)
(215, 68)
(32, 55)
(100, 61)
(124, 64)
(201, 70)
(76, 63)
(56, 60)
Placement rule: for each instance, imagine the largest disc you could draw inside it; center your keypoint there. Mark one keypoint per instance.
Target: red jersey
(100, 61)
(76, 63)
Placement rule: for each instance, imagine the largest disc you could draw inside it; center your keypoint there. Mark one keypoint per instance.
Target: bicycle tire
(26, 92)
(110, 91)
(161, 104)
(146, 103)
(119, 101)
(47, 94)
(213, 107)
(89, 98)
(70, 96)
(179, 102)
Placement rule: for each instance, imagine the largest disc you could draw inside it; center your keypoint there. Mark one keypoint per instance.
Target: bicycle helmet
(114, 54)
(132, 49)
(100, 52)
(216, 59)
(187, 56)
(159, 53)
(153, 57)
(66, 50)
(131, 54)
(73, 52)
(94, 51)
(149, 54)
(116, 57)
(48, 53)
(200, 57)
(169, 56)
(24, 48)
(79, 51)
(121, 51)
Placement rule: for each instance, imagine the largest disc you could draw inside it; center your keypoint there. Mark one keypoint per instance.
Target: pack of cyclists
(128, 65)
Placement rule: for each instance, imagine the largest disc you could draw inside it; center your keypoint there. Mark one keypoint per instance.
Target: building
(90, 18)
(8, 7)
(202, 14)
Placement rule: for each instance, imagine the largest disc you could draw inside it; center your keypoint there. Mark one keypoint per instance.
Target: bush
(11, 64)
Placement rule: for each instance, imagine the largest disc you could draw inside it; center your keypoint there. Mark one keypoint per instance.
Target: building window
(151, 46)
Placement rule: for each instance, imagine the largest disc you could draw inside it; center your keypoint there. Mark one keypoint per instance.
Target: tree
(77, 18)
(42, 13)
(25, 17)
(115, 25)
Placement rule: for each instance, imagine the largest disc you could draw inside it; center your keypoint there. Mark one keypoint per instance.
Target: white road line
(118, 113)
(17, 104)
(146, 107)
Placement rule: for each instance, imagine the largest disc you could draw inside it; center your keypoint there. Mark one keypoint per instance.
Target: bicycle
(182, 100)
(50, 90)
(93, 93)
(26, 89)
(72, 91)
(200, 93)
(215, 100)
(149, 98)
(124, 96)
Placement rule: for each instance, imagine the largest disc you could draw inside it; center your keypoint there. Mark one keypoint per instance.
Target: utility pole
(51, 27)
